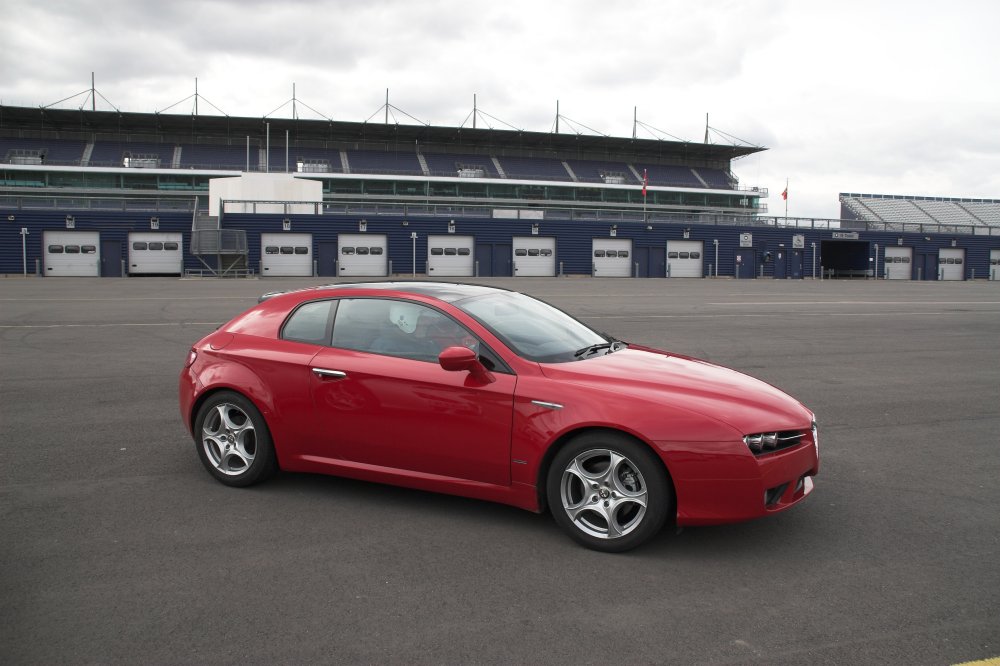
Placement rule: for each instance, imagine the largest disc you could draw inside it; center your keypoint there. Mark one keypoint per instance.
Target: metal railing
(369, 207)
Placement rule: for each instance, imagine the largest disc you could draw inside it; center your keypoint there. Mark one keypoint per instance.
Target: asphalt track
(117, 547)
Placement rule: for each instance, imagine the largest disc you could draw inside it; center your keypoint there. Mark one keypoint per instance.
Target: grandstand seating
(916, 210)
(593, 172)
(372, 161)
(447, 164)
(111, 153)
(675, 176)
(715, 178)
(534, 168)
(201, 156)
(988, 213)
(277, 160)
(57, 151)
(945, 212)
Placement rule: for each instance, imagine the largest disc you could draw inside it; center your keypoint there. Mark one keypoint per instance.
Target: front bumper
(723, 482)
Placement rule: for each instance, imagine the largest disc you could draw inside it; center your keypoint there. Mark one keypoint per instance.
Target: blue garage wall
(573, 237)
(114, 226)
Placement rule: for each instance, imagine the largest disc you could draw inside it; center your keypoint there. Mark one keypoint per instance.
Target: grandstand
(94, 193)
(895, 212)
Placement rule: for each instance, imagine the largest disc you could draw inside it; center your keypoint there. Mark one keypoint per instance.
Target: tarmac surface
(117, 547)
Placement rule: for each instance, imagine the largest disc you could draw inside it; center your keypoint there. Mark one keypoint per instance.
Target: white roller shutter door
(612, 257)
(534, 256)
(898, 263)
(72, 253)
(286, 255)
(362, 255)
(951, 263)
(685, 259)
(155, 253)
(995, 265)
(450, 256)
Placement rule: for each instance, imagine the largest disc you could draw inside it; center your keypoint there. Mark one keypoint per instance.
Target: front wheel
(608, 492)
(233, 441)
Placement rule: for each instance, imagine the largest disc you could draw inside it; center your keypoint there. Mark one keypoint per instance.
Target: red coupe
(495, 395)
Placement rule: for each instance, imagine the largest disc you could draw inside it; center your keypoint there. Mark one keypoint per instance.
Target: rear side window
(310, 322)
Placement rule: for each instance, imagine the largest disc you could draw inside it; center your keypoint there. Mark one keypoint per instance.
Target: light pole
(24, 250)
(413, 238)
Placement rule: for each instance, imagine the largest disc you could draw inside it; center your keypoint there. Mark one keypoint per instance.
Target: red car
(492, 394)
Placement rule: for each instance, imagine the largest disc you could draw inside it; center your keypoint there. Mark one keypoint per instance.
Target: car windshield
(536, 330)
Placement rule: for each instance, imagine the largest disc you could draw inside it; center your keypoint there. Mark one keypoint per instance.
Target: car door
(382, 399)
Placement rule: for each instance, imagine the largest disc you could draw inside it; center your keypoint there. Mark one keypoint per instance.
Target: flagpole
(786, 200)
(645, 182)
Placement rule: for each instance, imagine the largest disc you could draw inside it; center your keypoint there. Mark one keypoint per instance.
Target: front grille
(768, 442)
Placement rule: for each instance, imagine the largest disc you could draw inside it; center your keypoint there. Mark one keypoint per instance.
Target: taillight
(192, 357)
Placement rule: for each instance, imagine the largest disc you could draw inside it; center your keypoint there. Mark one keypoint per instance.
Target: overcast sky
(848, 96)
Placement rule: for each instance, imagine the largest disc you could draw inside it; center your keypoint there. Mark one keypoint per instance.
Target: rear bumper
(720, 483)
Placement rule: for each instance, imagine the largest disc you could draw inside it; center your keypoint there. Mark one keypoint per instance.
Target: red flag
(784, 195)
(645, 181)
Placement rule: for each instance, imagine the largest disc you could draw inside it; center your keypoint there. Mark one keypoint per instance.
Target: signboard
(845, 235)
(746, 240)
(798, 241)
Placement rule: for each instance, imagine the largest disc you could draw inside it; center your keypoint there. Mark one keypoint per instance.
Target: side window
(310, 322)
(397, 328)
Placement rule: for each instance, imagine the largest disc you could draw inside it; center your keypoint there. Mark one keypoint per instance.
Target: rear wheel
(233, 441)
(608, 491)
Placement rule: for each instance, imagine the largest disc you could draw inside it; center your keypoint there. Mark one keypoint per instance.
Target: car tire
(608, 491)
(233, 440)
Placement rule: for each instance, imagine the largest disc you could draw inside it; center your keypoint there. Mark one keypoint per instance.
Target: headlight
(766, 442)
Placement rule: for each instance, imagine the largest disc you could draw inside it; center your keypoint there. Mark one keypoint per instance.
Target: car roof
(448, 292)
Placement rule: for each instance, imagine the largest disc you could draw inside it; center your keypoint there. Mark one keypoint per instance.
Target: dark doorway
(795, 264)
(494, 259)
(326, 258)
(927, 266)
(111, 258)
(845, 259)
(651, 260)
(746, 266)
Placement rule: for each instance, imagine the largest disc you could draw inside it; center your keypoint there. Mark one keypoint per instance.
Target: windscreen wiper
(611, 345)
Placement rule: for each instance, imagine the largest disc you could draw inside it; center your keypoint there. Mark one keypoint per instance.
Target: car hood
(747, 404)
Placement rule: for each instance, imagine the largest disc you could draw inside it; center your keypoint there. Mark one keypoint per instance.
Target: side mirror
(457, 359)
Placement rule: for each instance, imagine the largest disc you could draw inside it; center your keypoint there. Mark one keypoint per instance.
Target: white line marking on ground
(857, 303)
(150, 298)
(170, 323)
(772, 315)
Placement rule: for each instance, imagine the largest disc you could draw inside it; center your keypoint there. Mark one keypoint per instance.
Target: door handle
(323, 373)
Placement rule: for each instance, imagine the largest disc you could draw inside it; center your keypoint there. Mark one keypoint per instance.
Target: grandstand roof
(79, 123)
